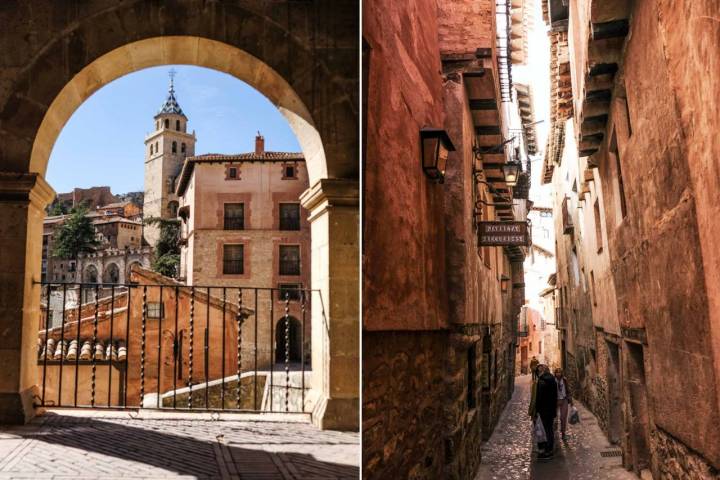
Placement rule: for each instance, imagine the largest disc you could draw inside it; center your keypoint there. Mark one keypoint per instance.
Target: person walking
(563, 400)
(546, 407)
(536, 372)
(534, 362)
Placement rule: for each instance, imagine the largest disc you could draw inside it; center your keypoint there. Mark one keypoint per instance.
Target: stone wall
(404, 393)
(417, 419)
(673, 459)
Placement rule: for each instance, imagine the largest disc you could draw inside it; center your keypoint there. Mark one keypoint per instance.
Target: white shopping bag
(540, 435)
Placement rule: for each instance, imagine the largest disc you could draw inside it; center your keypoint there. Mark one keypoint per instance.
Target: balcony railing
(170, 346)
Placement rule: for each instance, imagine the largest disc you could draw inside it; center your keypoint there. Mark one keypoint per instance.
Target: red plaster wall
(694, 69)
(664, 253)
(403, 265)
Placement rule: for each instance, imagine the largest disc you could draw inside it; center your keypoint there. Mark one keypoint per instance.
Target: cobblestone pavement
(119, 445)
(508, 455)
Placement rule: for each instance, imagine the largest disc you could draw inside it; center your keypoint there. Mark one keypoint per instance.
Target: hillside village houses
(241, 225)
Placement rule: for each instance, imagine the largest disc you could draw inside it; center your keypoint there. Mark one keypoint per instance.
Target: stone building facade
(92, 197)
(120, 247)
(440, 310)
(634, 101)
(243, 226)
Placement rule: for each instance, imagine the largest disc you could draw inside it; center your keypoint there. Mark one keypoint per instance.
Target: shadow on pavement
(184, 455)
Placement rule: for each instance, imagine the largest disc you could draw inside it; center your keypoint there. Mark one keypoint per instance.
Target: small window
(177, 125)
(289, 216)
(232, 172)
(173, 208)
(182, 148)
(151, 149)
(291, 291)
(289, 260)
(156, 147)
(155, 310)
(289, 171)
(234, 216)
(598, 226)
(619, 185)
(174, 147)
(540, 347)
(167, 123)
(233, 257)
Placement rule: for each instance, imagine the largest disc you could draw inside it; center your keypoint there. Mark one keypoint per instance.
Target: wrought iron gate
(136, 345)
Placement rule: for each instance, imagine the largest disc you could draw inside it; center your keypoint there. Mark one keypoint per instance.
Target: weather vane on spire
(172, 74)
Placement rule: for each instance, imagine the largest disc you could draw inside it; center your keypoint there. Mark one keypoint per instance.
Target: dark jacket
(546, 396)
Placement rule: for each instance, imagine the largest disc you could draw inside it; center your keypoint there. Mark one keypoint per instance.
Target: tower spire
(171, 104)
(172, 74)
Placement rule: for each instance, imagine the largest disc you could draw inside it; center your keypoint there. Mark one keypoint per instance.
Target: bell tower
(165, 151)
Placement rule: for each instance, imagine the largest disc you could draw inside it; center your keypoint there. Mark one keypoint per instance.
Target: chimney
(259, 144)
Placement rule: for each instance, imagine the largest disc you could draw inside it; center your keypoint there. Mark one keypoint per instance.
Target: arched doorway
(90, 275)
(111, 274)
(288, 339)
(285, 57)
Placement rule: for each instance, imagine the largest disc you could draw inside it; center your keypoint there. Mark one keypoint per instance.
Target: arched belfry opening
(315, 94)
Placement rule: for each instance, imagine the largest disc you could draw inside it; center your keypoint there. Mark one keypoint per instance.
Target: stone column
(23, 198)
(334, 217)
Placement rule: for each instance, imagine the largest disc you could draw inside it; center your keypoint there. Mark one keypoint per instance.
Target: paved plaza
(86, 445)
(508, 455)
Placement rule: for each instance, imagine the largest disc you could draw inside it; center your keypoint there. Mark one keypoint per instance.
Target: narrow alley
(538, 189)
(586, 454)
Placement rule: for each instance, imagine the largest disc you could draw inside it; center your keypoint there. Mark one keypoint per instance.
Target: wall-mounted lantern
(511, 171)
(504, 283)
(436, 146)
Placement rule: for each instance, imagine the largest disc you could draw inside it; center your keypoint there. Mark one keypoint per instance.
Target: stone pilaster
(23, 198)
(334, 219)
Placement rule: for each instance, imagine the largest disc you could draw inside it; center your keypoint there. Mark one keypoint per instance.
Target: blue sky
(102, 143)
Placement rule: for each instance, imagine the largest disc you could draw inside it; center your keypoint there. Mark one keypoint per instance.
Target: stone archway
(305, 65)
(90, 274)
(111, 273)
(294, 337)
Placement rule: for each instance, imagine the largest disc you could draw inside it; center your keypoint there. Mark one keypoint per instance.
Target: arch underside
(288, 53)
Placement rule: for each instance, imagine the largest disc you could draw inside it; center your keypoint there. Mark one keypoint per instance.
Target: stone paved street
(508, 454)
(108, 445)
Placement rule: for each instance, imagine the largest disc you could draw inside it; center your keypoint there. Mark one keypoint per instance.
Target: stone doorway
(293, 336)
(314, 94)
(638, 442)
(614, 393)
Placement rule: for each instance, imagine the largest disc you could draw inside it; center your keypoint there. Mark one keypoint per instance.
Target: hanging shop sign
(503, 234)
